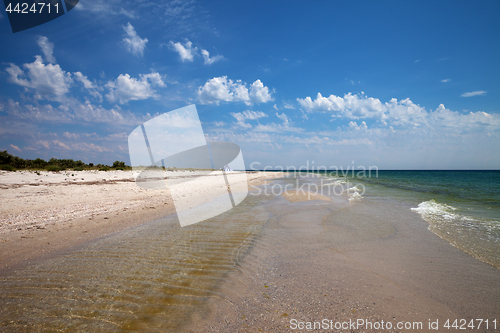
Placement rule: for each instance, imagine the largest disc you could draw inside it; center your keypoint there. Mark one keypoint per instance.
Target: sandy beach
(45, 212)
(115, 259)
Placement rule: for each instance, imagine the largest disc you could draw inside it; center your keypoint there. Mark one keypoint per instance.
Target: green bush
(104, 168)
(38, 163)
(5, 158)
(78, 169)
(118, 164)
(54, 168)
(7, 167)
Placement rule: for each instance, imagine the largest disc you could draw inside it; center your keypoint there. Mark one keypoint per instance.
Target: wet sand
(297, 196)
(372, 260)
(148, 278)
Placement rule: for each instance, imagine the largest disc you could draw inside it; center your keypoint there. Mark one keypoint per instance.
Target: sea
(461, 207)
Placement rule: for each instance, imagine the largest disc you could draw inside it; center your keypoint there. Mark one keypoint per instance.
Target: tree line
(10, 162)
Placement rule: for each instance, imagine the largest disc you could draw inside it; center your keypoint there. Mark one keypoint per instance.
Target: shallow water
(149, 278)
(387, 239)
(461, 207)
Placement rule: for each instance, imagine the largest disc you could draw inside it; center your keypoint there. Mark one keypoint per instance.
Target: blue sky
(397, 85)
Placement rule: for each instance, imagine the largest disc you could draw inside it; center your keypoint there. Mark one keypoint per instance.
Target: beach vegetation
(10, 162)
(38, 164)
(7, 167)
(53, 168)
(119, 165)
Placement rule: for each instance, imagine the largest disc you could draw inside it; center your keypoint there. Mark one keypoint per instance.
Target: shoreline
(265, 263)
(39, 220)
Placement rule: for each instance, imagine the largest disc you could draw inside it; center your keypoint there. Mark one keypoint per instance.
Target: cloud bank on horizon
(284, 101)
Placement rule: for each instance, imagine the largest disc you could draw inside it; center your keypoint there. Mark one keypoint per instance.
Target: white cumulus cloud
(126, 88)
(47, 48)
(355, 106)
(83, 79)
(186, 51)
(356, 127)
(403, 113)
(87, 84)
(259, 93)
(446, 118)
(47, 80)
(222, 89)
(133, 42)
(208, 60)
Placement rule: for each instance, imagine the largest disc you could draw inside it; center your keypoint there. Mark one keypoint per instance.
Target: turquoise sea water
(462, 207)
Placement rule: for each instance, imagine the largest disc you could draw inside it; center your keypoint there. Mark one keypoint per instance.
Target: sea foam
(479, 237)
(354, 193)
